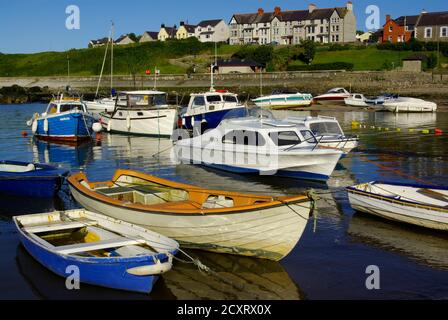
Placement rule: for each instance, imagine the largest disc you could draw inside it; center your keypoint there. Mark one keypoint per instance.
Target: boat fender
(128, 122)
(97, 127)
(34, 126)
(109, 124)
(192, 121)
(46, 125)
(157, 268)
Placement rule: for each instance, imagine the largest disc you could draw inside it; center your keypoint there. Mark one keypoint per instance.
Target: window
(215, 98)
(285, 138)
(428, 32)
(308, 136)
(198, 102)
(69, 107)
(325, 128)
(244, 137)
(228, 98)
(390, 28)
(444, 32)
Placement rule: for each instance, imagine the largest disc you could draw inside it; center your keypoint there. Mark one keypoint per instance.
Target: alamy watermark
(73, 20)
(373, 280)
(72, 282)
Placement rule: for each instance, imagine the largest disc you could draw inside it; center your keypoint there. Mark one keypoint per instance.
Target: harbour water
(329, 263)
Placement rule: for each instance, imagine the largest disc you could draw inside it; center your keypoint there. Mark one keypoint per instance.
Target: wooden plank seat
(433, 194)
(115, 190)
(98, 245)
(60, 225)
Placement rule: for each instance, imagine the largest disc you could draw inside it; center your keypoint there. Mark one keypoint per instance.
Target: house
(238, 66)
(364, 37)
(148, 36)
(98, 43)
(185, 31)
(414, 63)
(212, 31)
(167, 32)
(291, 27)
(432, 26)
(124, 39)
(399, 30)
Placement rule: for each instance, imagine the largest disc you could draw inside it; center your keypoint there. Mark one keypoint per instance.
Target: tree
(133, 37)
(309, 51)
(263, 54)
(432, 61)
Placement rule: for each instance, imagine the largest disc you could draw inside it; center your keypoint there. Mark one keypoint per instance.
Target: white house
(124, 39)
(167, 32)
(148, 36)
(98, 43)
(212, 31)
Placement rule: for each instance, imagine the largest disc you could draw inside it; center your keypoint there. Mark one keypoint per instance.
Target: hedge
(322, 66)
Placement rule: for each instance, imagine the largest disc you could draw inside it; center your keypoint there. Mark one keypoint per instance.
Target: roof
(433, 18)
(121, 38)
(319, 14)
(238, 62)
(152, 34)
(410, 20)
(171, 31)
(416, 57)
(189, 27)
(206, 23)
(100, 41)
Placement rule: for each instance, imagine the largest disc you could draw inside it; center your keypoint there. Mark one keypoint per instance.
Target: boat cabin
(338, 91)
(61, 106)
(320, 125)
(211, 101)
(138, 100)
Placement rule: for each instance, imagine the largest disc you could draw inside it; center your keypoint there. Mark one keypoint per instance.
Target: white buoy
(97, 127)
(34, 126)
(109, 124)
(46, 125)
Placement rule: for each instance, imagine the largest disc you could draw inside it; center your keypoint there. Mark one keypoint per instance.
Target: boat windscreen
(230, 98)
(285, 138)
(70, 107)
(326, 128)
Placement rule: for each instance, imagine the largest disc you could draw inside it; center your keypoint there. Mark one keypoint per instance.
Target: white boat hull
(270, 233)
(355, 102)
(410, 105)
(100, 106)
(157, 123)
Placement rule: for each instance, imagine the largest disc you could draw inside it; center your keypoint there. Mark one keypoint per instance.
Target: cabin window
(159, 99)
(285, 138)
(69, 107)
(308, 136)
(212, 99)
(52, 108)
(198, 102)
(325, 128)
(228, 98)
(244, 137)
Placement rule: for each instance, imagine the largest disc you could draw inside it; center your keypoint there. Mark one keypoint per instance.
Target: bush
(322, 66)
(261, 54)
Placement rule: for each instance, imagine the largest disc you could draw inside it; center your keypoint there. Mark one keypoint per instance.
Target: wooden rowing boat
(230, 222)
(106, 252)
(421, 205)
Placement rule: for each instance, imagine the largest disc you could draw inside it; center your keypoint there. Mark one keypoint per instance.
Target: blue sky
(39, 25)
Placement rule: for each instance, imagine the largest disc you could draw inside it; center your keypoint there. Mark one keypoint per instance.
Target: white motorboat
(333, 96)
(265, 147)
(142, 113)
(327, 131)
(284, 99)
(356, 100)
(101, 105)
(405, 104)
(425, 206)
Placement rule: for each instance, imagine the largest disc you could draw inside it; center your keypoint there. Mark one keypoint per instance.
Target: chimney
(277, 11)
(424, 11)
(182, 23)
(311, 7)
(162, 26)
(388, 18)
(260, 11)
(349, 6)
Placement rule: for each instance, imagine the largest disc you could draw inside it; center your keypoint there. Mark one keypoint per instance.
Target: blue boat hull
(214, 118)
(303, 175)
(105, 272)
(69, 126)
(43, 183)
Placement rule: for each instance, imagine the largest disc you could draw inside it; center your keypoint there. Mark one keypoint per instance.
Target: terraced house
(329, 25)
(432, 26)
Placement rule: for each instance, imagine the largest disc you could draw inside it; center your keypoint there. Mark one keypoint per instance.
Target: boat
(27, 179)
(327, 131)
(258, 146)
(143, 112)
(206, 110)
(421, 205)
(101, 105)
(284, 99)
(333, 96)
(255, 225)
(356, 100)
(107, 252)
(406, 104)
(65, 119)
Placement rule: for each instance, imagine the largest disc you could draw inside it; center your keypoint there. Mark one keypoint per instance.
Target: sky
(28, 26)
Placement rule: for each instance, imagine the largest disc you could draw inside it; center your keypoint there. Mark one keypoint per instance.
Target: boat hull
(400, 108)
(278, 103)
(330, 100)
(269, 233)
(154, 123)
(70, 126)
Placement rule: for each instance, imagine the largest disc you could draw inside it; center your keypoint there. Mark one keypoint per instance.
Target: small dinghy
(425, 206)
(108, 252)
(30, 179)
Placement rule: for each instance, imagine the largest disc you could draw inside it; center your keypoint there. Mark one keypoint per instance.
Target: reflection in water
(233, 277)
(405, 120)
(14, 205)
(424, 246)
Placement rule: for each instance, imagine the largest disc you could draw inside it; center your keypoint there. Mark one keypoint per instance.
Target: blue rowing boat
(86, 247)
(30, 179)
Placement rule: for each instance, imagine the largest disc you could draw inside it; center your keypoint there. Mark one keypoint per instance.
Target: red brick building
(399, 30)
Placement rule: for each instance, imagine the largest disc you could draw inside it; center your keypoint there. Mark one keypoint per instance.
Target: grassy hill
(175, 57)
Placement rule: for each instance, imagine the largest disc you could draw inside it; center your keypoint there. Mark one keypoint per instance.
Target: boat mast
(112, 59)
(212, 86)
(104, 62)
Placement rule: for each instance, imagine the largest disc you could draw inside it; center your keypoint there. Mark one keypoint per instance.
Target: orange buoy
(24, 134)
(438, 132)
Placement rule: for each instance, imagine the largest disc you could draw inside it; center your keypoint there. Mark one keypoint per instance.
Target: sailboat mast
(112, 59)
